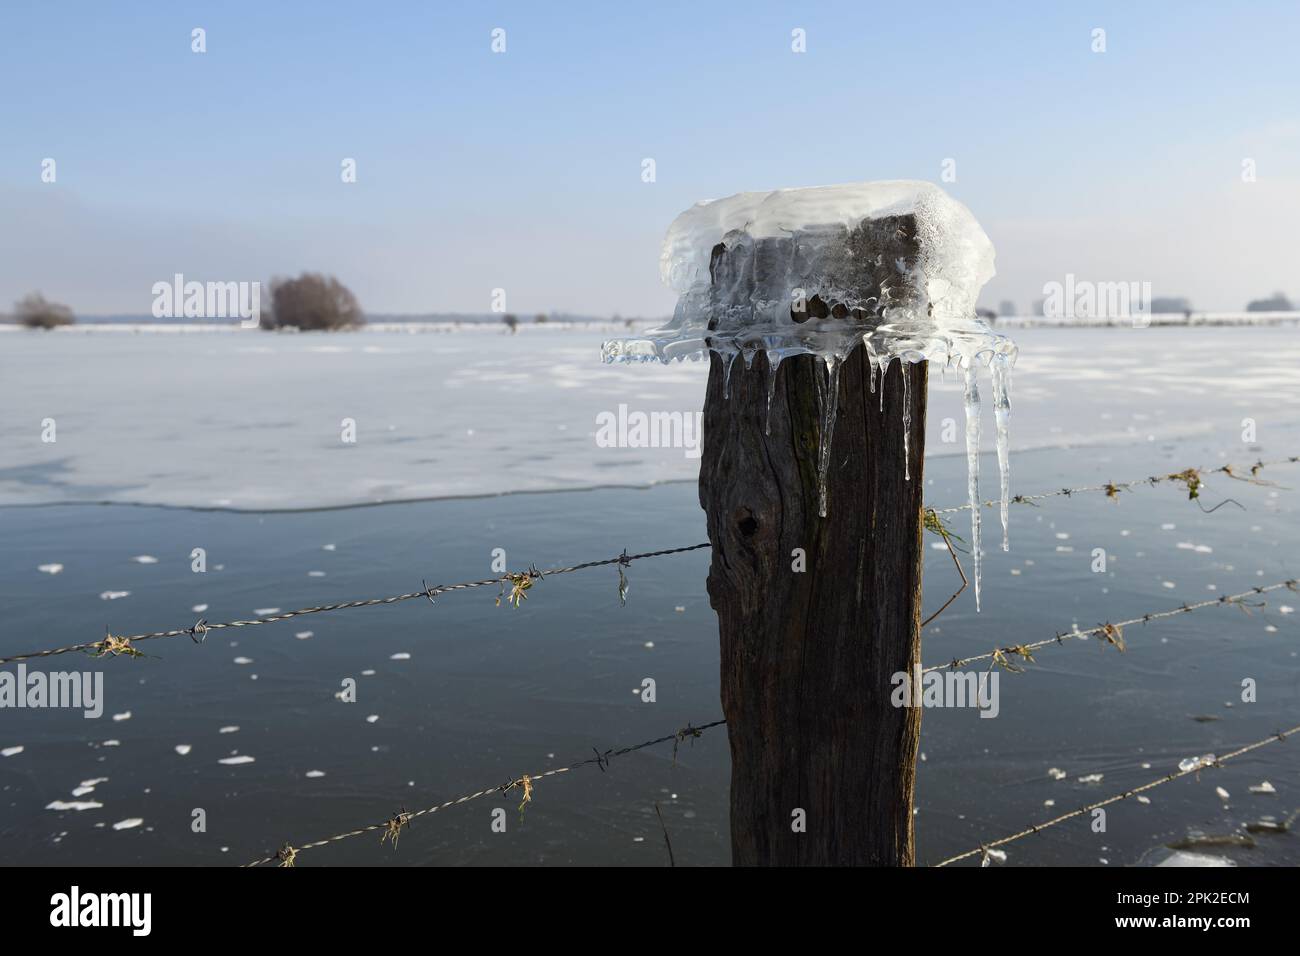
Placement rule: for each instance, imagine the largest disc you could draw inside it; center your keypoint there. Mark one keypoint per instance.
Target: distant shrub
(312, 302)
(512, 323)
(1171, 304)
(35, 312)
(1277, 302)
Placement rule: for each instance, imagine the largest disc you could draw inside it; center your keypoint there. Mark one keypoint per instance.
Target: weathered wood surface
(807, 657)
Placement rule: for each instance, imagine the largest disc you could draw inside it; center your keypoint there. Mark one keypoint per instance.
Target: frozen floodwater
(252, 420)
(470, 694)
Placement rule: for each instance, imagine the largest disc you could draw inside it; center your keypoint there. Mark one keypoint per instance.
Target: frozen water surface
(491, 692)
(187, 420)
(199, 421)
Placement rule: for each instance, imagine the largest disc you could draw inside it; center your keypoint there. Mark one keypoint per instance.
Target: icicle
(973, 468)
(904, 368)
(727, 359)
(884, 370)
(872, 366)
(749, 357)
(773, 363)
(1001, 370)
(829, 405)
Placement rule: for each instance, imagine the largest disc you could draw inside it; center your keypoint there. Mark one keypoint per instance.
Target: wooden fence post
(816, 613)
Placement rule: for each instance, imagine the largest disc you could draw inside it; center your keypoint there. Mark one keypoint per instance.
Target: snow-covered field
(251, 421)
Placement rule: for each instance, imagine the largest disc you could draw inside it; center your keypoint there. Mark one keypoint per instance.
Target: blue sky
(522, 170)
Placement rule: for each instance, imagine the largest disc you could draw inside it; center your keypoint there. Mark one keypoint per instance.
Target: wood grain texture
(807, 657)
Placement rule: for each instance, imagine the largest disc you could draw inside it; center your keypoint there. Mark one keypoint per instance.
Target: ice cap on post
(893, 266)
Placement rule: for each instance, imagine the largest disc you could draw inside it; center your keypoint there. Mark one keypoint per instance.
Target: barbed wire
(287, 854)
(1191, 477)
(391, 827)
(1113, 632)
(117, 645)
(519, 583)
(983, 849)
(1110, 633)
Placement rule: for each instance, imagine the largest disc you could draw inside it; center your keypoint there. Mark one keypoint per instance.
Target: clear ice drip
(773, 363)
(830, 398)
(893, 267)
(1001, 372)
(905, 371)
(973, 471)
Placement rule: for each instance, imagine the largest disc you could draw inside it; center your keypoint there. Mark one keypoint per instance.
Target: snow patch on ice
(73, 805)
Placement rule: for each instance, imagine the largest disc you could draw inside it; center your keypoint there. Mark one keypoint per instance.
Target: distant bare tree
(312, 302)
(512, 322)
(35, 312)
(541, 318)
